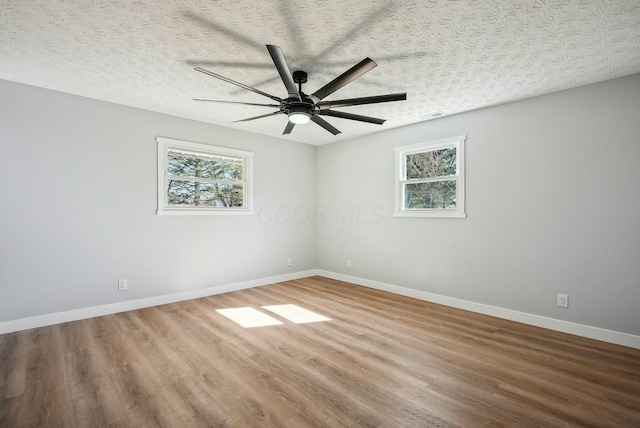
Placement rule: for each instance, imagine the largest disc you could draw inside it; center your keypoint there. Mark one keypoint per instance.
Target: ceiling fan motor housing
(304, 105)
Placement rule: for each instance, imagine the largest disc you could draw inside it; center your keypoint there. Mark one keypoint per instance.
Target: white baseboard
(113, 308)
(604, 335)
(610, 336)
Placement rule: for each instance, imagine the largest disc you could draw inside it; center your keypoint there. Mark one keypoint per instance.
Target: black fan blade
(288, 128)
(233, 82)
(351, 116)
(326, 125)
(348, 76)
(237, 102)
(258, 117)
(281, 64)
(242, 65)
(325, 105)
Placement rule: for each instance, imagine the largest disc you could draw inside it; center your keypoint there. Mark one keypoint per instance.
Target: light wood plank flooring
(382, 361)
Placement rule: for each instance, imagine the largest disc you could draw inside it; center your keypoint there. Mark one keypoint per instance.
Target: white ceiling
(449, 56)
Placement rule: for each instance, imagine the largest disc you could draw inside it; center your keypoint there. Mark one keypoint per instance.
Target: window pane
(434, 163)
(190, 193)
(436, 194)
(203, 167)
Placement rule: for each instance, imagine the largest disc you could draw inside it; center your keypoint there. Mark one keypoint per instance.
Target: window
(201, 179)
(430, 179)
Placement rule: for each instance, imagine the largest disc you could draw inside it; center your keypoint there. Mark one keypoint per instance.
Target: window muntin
(430, 179)
(201, 179)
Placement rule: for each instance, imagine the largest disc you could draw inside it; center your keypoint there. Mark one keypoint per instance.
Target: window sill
(204, 212)
(440, 214)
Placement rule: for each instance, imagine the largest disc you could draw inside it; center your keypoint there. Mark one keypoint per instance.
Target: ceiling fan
(302, 108)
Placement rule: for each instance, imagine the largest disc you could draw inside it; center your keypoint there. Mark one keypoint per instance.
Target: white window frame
(401, 178)
(167, 144)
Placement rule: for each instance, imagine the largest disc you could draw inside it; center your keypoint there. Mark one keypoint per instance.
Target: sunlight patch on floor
(296, 314)
(248, 317)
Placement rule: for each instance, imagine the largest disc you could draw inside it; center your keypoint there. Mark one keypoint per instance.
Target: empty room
(404, 213)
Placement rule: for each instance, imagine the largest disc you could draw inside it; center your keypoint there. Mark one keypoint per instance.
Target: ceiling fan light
(299, 118)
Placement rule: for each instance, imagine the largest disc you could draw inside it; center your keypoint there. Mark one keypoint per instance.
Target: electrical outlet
(289, 261)
(122, 284)
(563, 300)
(349, 263)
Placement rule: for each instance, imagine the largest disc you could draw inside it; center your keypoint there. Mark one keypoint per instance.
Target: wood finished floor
(382, 361)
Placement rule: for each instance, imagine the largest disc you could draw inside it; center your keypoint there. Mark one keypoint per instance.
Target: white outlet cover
(563, 300)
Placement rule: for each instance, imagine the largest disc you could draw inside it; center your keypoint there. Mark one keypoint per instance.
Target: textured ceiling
(449, 56)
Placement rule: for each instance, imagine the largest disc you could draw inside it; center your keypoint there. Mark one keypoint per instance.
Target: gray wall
(553, 202)
(553, 195)
(78, 200)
